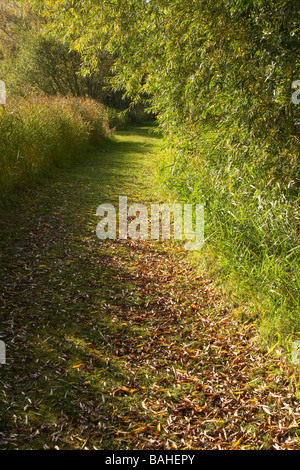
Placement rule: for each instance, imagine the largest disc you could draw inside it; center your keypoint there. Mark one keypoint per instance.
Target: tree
(32, 62)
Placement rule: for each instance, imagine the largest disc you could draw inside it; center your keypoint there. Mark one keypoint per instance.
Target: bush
(41, 132)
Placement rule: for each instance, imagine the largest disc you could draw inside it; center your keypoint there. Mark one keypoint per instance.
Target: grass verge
(251, 226)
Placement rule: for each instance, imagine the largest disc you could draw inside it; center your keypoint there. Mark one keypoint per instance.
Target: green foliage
(33, 62)
(16, 18)
(220, 78)
(46, 65)
(40, 132)
(251, 228)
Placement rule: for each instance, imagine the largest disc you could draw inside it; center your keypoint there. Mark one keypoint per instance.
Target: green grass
(122, 344)
(251, 226)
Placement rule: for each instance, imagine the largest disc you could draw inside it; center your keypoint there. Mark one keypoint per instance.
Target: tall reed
(38, 133)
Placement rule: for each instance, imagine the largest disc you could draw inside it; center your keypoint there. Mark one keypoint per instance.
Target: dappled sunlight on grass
(123, 344)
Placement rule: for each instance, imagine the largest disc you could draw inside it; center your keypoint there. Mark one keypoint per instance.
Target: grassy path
(123, 345)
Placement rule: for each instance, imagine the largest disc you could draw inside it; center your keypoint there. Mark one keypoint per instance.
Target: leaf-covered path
(123, 344)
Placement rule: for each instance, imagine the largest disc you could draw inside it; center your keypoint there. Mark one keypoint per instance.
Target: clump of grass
(251, 226)
(38, 133)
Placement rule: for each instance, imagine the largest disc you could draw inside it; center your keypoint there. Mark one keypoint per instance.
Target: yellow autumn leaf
(237, 442)
(142, 428)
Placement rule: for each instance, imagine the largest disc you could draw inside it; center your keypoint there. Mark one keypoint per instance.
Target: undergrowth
(39, 133)
(251, 225)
